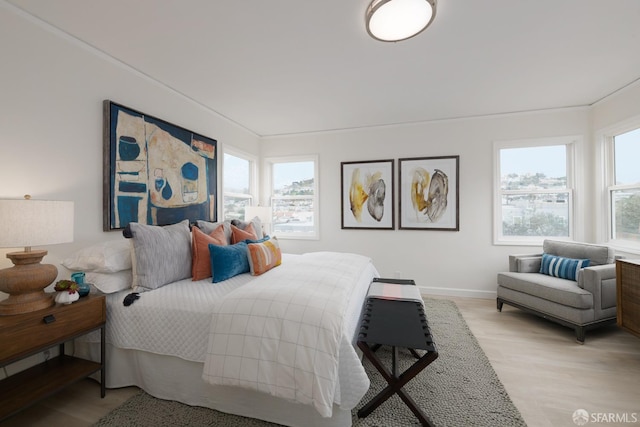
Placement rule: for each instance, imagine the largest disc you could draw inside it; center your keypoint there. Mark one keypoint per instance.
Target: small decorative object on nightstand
(83, 288)
(67, 291)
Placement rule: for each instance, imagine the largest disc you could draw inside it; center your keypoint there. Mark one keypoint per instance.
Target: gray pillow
(160, 255)
(209, 227)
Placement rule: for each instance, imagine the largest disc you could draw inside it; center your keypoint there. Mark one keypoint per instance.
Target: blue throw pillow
(228, 261)
(565, 268)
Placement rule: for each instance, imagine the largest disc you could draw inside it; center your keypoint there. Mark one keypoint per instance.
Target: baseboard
(455, 292)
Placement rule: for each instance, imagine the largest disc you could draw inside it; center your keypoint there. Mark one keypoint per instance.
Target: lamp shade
(35, 222)
(395, 20)
(262, 212)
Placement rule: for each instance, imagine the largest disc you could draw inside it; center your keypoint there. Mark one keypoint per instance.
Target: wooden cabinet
(26, 334)
(628, 284)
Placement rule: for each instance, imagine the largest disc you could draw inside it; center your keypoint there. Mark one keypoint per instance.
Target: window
(238, 174)
(534, 190)
(624, 189)
(294, 197)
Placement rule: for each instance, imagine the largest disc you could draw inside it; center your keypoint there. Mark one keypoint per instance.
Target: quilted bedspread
(283, 332)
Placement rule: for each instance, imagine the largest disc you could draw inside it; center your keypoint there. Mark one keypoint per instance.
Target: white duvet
(284, 333)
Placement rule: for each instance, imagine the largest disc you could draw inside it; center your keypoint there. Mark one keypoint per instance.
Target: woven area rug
(460, 388)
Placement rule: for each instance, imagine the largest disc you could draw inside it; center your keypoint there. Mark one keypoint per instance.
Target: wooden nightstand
(22, 335)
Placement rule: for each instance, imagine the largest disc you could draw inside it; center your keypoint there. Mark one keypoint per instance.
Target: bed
(168, 341)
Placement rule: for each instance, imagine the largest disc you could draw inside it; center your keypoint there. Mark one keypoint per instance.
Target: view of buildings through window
(293, 197)
(535, 193)
(237, 186)
(625, 191)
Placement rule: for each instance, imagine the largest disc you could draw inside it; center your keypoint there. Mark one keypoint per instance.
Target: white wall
(51, 93)
(444, 262)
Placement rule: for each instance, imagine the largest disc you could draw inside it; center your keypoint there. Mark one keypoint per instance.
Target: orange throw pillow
(200, 258)
(238, 235)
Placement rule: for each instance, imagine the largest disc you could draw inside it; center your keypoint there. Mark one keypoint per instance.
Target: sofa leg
(580, 334)
(499, 304)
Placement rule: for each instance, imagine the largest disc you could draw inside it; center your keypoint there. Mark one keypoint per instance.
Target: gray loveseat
(585, 303)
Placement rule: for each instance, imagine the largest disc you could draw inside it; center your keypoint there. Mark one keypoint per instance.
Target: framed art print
(429, 196)
(155, 172)
(367, 194)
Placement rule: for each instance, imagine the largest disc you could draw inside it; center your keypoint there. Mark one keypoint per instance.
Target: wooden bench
(396, 323)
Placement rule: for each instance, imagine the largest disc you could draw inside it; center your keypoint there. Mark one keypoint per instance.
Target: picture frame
(367, 194)
(155, 172)
(429, 193)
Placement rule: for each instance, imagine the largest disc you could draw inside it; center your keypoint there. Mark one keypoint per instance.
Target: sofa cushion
(563, 291)
(597, 254)
(565, 268)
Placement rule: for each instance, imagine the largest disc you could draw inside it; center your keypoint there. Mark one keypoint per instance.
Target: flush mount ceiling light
(395, 20)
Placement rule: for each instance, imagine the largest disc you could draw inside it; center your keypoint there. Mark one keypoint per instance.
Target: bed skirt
(172, 378)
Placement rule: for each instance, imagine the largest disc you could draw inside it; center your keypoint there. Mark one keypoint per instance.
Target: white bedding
(173, 322)
(281, 334)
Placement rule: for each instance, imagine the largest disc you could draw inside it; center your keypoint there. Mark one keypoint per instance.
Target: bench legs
(396, 382)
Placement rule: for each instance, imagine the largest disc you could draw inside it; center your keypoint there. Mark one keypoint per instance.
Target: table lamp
(262, 212)
(28, 223)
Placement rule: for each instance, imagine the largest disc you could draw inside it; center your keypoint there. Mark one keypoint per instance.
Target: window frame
(606, 138)
(572, 144)
(252, 196)
(268, 163)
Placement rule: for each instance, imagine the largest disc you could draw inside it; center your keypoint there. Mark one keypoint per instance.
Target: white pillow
(105, 257)
(110, 282)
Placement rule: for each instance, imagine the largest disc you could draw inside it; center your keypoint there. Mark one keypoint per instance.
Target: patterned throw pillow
(201, 259)
(565, 268)
(228, 261)
(264, 256)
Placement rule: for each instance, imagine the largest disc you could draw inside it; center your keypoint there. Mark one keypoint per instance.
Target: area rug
(460, 388)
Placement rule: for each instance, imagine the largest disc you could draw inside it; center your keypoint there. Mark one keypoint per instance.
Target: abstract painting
(155, 172)
(428, 191)
(367, 194)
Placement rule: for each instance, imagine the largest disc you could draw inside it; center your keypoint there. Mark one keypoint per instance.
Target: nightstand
(23, 335)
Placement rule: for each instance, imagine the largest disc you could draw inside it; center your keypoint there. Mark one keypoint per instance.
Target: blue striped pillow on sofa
(565, 268)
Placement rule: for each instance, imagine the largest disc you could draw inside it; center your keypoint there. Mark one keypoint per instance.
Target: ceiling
(294, 66)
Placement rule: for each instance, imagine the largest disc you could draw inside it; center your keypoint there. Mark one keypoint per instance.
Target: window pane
(627, 153)
(626, 205)
(236, 175)
(292, 215)
(534, 168)
(293, 179)
(234, 207)
(535, 215)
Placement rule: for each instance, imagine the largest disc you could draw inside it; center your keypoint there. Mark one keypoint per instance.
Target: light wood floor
(546, 373)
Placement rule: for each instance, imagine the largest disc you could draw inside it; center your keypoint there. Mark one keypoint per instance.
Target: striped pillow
(264, 256)
(565, 268)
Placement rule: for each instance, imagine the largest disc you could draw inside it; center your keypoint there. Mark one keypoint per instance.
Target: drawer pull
(49, 319)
